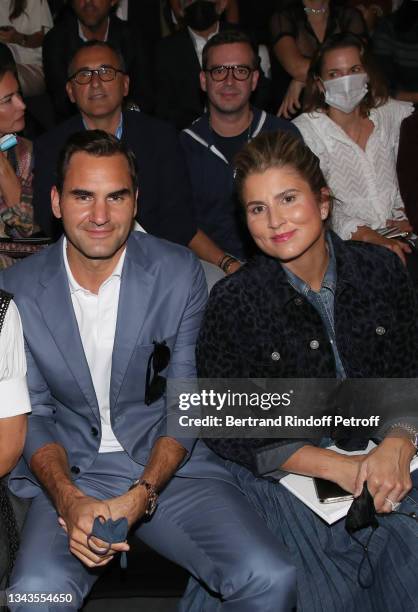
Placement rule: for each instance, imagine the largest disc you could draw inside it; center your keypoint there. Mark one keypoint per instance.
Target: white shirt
(34, 18)
(199, 42)
(14, 396)
(122, 10)
(96, 317)
(364, 182)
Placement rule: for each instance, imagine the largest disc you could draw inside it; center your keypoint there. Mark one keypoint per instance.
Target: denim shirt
(323, 301)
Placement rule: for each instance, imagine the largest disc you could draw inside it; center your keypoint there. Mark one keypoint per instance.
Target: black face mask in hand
(201, 15)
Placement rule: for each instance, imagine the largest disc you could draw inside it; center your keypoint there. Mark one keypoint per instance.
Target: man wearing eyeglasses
(108, 316)
(97, 84)
(229, 76)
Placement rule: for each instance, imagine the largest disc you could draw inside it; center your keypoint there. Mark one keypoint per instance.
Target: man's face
(92, 13)
(98, 98)
(230, 95)
(97, 206)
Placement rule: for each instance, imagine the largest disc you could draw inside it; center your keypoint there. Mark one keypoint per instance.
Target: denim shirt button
(298, 301)
(314, 344)
(380, 331)
(275, 356)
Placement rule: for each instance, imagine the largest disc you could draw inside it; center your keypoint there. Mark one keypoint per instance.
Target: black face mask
(201, 15)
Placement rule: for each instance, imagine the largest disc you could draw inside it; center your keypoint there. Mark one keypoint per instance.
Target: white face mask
(346, 92)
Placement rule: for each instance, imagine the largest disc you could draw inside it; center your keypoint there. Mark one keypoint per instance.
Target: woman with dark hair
(23, 25)
(16, 163)
(310, 305)
(353, 127)
(297, 30)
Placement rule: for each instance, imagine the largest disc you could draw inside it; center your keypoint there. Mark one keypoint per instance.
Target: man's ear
(125, 85)
(202, 77)
(254, 79)
(55, 203)
(136, 203)
(69, 90)
(325, 203)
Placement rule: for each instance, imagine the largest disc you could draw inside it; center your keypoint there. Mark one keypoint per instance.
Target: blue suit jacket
(162, 297)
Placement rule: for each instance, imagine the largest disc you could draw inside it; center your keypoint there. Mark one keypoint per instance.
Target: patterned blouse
(17, 221)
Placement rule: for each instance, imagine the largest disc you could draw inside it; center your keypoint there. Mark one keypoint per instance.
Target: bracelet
(407, 429)
(228, 263)
(222, 260)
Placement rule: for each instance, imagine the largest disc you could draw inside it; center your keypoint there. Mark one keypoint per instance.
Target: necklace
(315, 11)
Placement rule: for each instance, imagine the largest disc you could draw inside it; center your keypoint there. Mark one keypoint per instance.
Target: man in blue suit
(107, 315)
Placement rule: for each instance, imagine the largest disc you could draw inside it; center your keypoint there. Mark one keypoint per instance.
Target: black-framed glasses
(85, 75)
(240, 72)
(158, 360)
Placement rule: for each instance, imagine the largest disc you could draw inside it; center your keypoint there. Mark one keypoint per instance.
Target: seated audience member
(352, 126)
(229, 75)
(23, 24)
(230, 12)
(395, 44)
(308, 283)
(407, 167)
(97, 85)
(297, 31)
(14, 395)
(97, 442)
(16, 212)
(93, 20)
(179, 61)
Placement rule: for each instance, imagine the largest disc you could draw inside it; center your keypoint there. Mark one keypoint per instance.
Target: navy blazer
(162, 296)
(164, 202)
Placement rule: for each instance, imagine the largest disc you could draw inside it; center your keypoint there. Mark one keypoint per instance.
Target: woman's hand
(402, 225)
(10, 187)
(387, 472)
(290, 103)
(10, 35)
(367, 234)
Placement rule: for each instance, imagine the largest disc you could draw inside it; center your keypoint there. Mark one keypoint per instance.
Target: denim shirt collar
(330, 279)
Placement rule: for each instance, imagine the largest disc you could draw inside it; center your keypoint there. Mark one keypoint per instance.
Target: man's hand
(387, 471)
(77, 516)
(8, 35)
(367, 234)
(131, 505)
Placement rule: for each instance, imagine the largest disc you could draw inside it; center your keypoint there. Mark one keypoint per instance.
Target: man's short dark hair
(230, 37)
(98, 144)
(97, 43)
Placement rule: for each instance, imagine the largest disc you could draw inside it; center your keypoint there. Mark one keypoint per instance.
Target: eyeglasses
(158, 361)
(239, 72)
(105, 73)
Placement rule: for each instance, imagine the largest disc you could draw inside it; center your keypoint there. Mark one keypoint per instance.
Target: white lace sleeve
(14, 397)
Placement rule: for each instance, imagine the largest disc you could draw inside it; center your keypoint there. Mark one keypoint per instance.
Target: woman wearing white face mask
(352, 126)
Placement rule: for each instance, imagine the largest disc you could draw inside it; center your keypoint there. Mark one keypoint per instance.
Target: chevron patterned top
(364, 182)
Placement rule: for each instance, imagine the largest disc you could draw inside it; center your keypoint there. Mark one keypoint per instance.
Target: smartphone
(329, 492)
(7, 142)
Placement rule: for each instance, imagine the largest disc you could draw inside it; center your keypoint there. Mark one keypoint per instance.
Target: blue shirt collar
(330, 278)
(119, 129)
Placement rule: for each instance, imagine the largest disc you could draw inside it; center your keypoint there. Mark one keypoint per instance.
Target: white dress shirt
(199, 42)
(364, 182)
(122, 10)
(96, 316)
(14, 396)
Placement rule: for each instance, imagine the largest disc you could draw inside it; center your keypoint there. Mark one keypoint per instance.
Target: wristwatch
(152, 495)
(408, 429)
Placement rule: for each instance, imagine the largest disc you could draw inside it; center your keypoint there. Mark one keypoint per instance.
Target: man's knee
(265, 573)
(57, 588)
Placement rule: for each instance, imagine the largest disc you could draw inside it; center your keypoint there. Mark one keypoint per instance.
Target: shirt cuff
(14, 397)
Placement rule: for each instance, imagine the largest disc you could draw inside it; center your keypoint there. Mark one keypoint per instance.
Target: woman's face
(284, 216)
(12, 107)
(341, 62)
